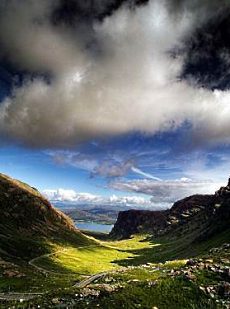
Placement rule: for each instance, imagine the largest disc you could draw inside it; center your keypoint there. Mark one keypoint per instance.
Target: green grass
(167, 293)
(157, 250)
(110, 255)
(91, 259)
(173, 293)
(141, 274)
(84, 256)
(35, 280)
(84, 260)
(136, 242)
(36, 283)
(67, 262)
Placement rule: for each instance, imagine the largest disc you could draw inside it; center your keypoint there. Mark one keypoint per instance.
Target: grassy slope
(72, 255)
(90, 259)
(29, 223)
(69, 262)
(19, 243)
(183, 247)
(168, 293)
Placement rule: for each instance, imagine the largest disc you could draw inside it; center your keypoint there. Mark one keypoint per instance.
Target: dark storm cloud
(113, 67)
(72, 12)
(208, 57)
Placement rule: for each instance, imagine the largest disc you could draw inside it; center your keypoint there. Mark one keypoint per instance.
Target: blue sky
(156, 160)
(127, 110)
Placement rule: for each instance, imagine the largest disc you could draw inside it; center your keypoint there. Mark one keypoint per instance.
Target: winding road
(43, 270)
(91, 279)
(12, 296)
(28, 296)
(19, 296)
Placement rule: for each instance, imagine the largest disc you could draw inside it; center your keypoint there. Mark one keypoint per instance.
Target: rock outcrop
(202, 215)
(137, 221)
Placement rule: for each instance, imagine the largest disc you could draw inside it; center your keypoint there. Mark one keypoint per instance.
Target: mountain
(45, 262)
(133, 221)
(201, 215)
(28, 221)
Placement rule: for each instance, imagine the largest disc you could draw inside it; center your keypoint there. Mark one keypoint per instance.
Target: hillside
(179, 258)
(28, 221)
(202, 215)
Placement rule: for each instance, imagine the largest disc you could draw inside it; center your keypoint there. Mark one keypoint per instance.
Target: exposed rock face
(203, 214)
(136, 221)
(190, 203)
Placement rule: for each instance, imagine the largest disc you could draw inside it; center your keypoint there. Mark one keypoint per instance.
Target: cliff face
(203, 215)
(137, 221)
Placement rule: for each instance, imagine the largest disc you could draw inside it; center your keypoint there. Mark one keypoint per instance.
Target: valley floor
(140, 272)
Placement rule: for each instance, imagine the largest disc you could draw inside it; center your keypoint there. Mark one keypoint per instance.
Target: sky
(116, 102)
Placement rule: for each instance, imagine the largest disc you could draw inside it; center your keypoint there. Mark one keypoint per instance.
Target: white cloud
(162, 193)
(107, 167)
(75, 159)
(113, 169)
(168, 191)
(110, 166)
(130, 84)
(129, 200)
(65, 195)
(147, 175)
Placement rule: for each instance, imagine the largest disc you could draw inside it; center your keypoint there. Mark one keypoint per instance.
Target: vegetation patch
(84, 260)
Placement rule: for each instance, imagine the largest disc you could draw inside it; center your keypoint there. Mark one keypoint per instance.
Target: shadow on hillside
(164, 249)
(97, 235)
(160, 251)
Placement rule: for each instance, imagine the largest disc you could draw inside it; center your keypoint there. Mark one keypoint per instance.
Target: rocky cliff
(203, 215)
(131, 222)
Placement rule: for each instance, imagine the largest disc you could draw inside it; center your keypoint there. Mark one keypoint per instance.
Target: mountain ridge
(205, 213)
(20, 203)
(28, 221)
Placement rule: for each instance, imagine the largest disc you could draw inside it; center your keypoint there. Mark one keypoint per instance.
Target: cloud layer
(71, 196)
(162, 193)
(110, 77)
(166, 192)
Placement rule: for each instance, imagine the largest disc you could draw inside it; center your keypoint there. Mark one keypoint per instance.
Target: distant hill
(28, 221)
(105, 214)
(201, 216)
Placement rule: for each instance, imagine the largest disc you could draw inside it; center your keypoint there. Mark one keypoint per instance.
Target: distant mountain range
(97, 212)
(105, 214)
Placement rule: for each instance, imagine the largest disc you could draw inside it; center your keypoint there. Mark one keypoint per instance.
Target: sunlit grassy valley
(125, 282)
(50, 264)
